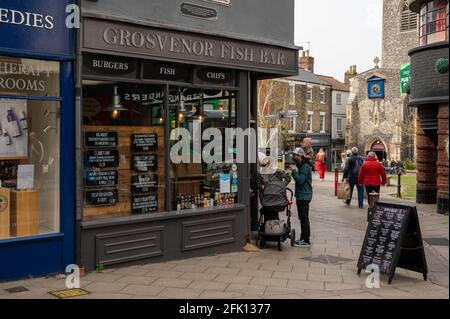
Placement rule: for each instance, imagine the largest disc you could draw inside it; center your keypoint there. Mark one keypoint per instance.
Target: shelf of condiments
(205, 200)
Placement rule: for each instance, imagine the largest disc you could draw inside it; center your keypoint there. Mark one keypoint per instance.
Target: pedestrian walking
(351, 174)
(302, 174)
(320, 163)
(309, 151)
(372, 175)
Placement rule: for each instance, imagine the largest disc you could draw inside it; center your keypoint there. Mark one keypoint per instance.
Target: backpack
(357, 166)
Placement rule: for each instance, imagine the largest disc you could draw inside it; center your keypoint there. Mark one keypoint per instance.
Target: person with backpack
(302, 174)
(351, 174)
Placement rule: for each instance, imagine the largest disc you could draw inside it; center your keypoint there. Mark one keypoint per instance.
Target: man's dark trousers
(303, 215)
(353, 181)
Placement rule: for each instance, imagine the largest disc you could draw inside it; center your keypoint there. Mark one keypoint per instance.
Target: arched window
(408, 19)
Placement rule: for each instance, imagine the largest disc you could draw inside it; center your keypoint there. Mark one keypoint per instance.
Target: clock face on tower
(376, 88)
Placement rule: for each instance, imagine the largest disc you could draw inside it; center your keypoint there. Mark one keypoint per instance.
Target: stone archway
(377, 145)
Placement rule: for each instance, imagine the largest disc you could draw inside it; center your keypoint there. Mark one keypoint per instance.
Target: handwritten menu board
(141, 184)
(101, 159)
(392, 237)
(141, 143)
(101, 178)
(101, 197)
(144, 204)
(101, 163)
(144, 163)
(101, 139)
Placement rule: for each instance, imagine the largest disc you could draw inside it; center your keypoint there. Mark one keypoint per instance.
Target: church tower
(400, 33)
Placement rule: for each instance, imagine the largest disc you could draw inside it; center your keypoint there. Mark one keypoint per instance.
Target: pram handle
(290, 192)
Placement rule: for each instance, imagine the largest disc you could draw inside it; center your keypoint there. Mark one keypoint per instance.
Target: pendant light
(116, 107)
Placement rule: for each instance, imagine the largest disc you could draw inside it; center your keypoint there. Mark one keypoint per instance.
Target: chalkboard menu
(101, 197)
(392, 240)
(144, 204)
(101, 139)
(101, 178)
(141, 184)
(101, 158)
(144, 143)
(144, 163)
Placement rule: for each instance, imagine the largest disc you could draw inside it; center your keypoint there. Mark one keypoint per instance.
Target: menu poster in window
(144, 143)
(144, 163)
(101, 178)
(393, 239)
(225, 183)
(144, 204)
(25, 177)
(13, 129)
(141, 184)
(101, 159)
(101, 139)
(101, 197)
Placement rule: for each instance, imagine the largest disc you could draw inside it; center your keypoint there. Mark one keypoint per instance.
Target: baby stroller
(270, 227)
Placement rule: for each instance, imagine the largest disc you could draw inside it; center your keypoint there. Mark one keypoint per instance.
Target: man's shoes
(361, 207)
(302, 243)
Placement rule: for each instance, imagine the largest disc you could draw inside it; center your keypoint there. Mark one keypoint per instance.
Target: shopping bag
(343, 190)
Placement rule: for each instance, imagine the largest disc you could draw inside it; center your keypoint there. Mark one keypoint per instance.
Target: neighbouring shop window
(201, 182)
(123, 149)
(29, 148)
(434, 22)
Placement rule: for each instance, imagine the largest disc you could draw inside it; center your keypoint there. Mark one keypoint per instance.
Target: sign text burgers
(119, 37)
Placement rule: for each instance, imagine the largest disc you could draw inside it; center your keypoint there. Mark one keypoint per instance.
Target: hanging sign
(141, 184)
(393, 239)
(101, 158)
(101, 139)
(101, 197)
(144, 143)
(405, 77)
(144, 163)
(144, 204)
(101, 178)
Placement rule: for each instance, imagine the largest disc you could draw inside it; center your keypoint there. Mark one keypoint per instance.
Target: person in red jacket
(372, 175)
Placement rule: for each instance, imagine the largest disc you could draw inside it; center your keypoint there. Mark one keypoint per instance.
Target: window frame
(323, 117)
(309, 121)
(427, 17)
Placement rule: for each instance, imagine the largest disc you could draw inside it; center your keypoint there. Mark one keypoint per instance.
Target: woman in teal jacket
(302, 174)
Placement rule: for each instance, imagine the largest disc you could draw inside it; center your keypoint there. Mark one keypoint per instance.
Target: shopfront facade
(144, 88)
(37, 151)
(429, 95)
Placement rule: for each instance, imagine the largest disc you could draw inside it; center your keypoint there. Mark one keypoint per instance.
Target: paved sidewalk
(338, 232)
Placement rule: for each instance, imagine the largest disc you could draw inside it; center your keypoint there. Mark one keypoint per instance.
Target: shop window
(29, 147)
(208, 176)
(434, 22)
(123, 149)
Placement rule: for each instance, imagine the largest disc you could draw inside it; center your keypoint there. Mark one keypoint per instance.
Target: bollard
(336, 181)
(399, 186)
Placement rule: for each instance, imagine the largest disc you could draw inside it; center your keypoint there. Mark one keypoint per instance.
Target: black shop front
(141, 91)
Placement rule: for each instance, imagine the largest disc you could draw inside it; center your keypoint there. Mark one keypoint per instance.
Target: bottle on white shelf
(6, 138)
(13, 124)
(23, 121)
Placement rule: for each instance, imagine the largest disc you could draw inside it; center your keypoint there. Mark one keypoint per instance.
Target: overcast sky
(342, 33)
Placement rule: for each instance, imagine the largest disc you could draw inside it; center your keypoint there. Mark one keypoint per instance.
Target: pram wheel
(292, 237)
